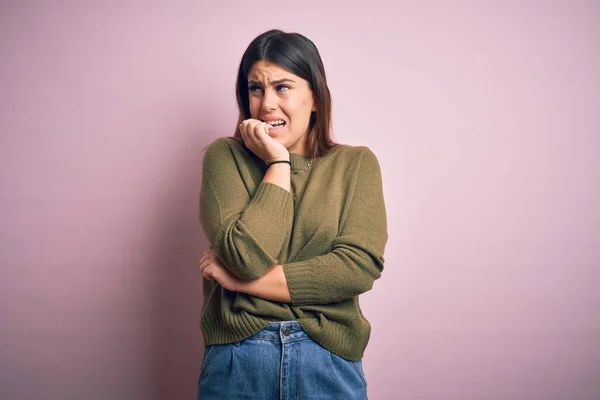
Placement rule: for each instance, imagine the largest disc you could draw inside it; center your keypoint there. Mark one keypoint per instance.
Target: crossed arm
(238, 229)
(271, 286)
(243, 257)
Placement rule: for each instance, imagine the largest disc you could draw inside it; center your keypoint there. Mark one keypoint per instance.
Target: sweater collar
(300, 162)
(304, 163)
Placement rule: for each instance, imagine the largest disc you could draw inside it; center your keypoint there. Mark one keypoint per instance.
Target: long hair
(298, 55)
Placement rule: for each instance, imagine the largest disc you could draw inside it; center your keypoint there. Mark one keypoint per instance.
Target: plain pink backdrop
(485, 118)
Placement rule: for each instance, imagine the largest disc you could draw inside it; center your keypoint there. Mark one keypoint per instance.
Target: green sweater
(329, 235)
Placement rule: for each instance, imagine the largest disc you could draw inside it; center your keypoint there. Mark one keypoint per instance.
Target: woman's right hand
(255, 134)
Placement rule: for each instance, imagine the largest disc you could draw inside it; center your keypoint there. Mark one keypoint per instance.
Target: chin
(281, 141)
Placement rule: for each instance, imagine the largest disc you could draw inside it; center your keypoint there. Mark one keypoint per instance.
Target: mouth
(276, 124)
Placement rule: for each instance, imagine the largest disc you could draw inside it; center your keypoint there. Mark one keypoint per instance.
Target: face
(278, 95)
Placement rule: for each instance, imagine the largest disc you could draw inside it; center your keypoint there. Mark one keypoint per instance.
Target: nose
(269, 101)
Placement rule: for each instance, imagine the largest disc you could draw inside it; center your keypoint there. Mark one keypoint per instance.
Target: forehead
(268, 71)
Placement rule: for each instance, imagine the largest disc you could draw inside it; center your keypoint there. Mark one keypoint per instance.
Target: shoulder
(222, 145)
(357, 155)
(225, 149)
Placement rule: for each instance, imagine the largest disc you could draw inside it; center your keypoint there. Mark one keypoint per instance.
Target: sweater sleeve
(355, 259)
(247, 231)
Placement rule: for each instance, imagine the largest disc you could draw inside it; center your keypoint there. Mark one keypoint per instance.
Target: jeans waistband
(283, 331)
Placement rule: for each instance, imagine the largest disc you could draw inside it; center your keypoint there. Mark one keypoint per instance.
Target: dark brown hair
(298, 55)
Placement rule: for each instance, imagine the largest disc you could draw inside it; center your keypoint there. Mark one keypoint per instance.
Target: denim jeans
(280, 362)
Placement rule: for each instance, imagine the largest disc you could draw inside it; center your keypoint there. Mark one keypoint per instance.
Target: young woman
(297, 227)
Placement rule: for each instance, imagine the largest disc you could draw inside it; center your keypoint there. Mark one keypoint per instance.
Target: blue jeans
(280, 362)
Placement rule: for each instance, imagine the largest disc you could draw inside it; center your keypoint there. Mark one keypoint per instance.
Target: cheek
(254, 106)
(301, 116)
(298, 111)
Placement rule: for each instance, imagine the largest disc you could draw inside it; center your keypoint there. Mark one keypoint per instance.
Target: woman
(297, 227)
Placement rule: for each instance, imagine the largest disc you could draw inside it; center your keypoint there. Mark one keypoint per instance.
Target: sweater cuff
(301, 282)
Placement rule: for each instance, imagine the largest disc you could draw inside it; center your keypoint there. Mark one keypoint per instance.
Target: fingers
(207, 258)
(260, 130)
(209, 253)
(206, 270)
(212, 269)
(203, 264)
(257, 139)
(246, 128)
(253, 131)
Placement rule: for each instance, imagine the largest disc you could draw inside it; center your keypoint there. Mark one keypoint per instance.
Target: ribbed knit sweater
(329, 235)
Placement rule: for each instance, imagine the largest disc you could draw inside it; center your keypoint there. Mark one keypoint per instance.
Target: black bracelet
(280, 161)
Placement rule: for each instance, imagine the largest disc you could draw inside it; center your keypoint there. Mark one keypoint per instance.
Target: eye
(254, 88)
(282, 88)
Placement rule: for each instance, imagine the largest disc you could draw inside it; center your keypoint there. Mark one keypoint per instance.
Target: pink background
(485, 117)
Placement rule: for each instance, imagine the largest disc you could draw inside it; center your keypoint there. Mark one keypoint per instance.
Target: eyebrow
(277, 82)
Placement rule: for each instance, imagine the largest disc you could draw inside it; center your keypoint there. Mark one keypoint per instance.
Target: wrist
(279, 162)
(239, 286)
(278, 157)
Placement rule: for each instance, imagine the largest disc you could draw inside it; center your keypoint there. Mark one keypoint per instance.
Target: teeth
(276, 122)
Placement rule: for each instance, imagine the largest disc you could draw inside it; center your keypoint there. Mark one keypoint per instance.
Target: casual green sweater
(329, 235)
